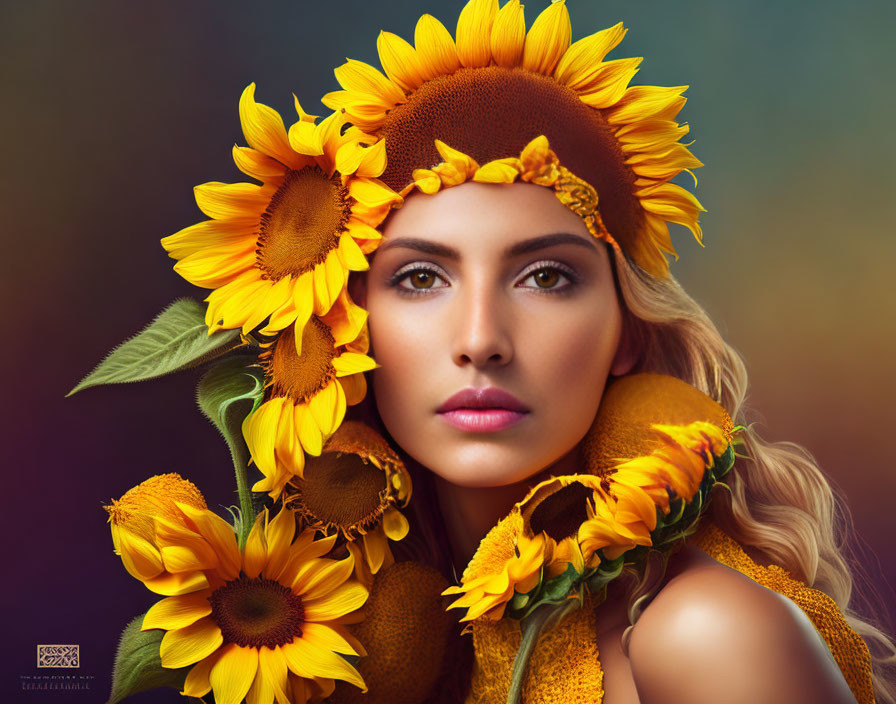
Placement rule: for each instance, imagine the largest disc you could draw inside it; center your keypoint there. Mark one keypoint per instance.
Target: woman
(499, 204)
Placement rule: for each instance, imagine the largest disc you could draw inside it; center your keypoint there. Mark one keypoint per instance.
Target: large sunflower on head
(496, 86)
(310, 382)
(280, 252)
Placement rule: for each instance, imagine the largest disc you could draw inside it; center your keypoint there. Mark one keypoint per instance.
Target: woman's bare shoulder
(712, 634)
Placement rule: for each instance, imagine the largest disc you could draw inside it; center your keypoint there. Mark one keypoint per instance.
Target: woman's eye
(547, 278)
(419, 280)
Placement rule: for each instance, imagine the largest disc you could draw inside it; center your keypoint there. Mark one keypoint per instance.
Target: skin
(544, 325)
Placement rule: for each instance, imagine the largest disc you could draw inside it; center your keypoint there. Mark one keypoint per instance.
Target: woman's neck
(471, 512)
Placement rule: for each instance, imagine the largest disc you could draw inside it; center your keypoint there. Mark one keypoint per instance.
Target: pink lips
(482, 410)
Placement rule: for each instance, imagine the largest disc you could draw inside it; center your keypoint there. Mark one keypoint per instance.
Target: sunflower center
(302, 223)
(343, 490)
(257, 612)
(300, 377)
(493, 112)
(561, 513)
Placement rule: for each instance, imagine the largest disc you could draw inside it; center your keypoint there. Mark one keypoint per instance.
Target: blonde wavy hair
(780, 504)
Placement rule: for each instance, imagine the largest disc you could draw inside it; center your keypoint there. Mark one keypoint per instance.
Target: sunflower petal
(190, 644)
(197, 684)
(177, 611)
(279, 533)
(474, 29)
(342, 600)
(233, 673)
(400, 61)
(435, 48)
(307, 660)
(353, 363)
(582, 60)
(509, 34)
(362, 78)
(548, 39)
(263, 128)
(395, 525)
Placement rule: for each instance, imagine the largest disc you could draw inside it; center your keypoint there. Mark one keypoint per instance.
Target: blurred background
(113, 111)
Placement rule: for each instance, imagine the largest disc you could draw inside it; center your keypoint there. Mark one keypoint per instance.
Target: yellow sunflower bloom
(506, 562)
(262, 623)
(280, 252)
(310, 389)
(355, 488)
(497, 86)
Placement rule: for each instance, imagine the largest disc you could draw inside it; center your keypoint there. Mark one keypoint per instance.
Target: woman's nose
(482, 334)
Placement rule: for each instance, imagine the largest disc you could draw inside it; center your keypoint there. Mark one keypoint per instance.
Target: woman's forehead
(475, 215)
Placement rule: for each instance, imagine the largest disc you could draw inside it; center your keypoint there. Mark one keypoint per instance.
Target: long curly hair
(780, 506)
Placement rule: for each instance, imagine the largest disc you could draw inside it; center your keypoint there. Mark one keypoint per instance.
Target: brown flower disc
(621, 429)
(407, 634)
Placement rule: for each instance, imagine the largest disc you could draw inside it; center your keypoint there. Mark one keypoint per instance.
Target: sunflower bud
(131, 520)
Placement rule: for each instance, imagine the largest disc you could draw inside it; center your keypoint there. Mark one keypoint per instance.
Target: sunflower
(310, 388)
(496, 86)
(264, 622)
(507, 561)
(355, 488)
(279, 252)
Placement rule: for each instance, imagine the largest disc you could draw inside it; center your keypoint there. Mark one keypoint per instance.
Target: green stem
(247, 510)
(532, 626)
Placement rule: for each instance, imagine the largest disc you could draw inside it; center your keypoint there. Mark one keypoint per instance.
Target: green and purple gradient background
(113, 111)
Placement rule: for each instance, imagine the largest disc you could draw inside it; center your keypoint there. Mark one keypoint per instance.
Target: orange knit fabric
(565, 666)
(847, 646)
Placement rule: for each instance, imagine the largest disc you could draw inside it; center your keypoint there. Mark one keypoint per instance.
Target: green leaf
(138, 667)
(227, 394)
(177, 339)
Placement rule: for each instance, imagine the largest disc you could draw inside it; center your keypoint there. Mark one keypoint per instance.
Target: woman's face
(496, 287)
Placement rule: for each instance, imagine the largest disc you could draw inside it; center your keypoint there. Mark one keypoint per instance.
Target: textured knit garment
(565, 666)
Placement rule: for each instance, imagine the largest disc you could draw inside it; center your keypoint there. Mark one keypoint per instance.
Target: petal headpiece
(489, 92)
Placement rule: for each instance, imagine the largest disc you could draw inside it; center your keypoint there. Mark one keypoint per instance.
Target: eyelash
(572, 279)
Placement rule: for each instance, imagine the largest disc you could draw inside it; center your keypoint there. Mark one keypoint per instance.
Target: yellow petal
(355, 388)
(232, 200)
(255, 554)
(474, 30)
(177, 611)
(399, 61)
(548, 39)
(305, 138)
(342, 600)
(353, 363)
(219, 533)
(309, 432)
(395, 524)
(375, 549)
(140, 557)
(168, 584)
(233, 673)
(260, 432)
(210, 234)
(365, 79)
(279, 533)
(435, 48)
(197, 684)
(582, 60)
(324, 577)
(498, 171)
(306, 660)
(263, 127)
(303, 116)
(216, 269)
(303, 300)
(190, 644)
(257, 165)
(327, 637)
(509, 34)
(609, 83)
(272, 675)
(647, 102)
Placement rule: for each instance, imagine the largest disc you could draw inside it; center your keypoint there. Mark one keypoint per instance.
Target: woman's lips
(482, 420)
(482, 410)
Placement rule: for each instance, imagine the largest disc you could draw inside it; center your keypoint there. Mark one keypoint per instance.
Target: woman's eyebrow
(525, 247)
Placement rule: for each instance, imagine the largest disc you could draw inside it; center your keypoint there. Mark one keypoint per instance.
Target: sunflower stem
(247, 508)
(532, 626)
